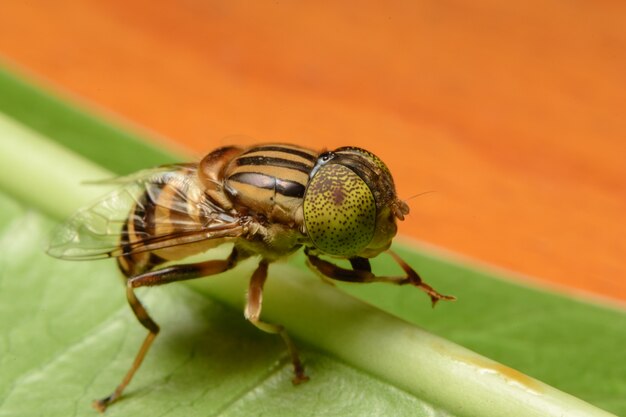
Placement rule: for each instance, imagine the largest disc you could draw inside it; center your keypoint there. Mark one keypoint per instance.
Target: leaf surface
(71, 337)
(67, 337)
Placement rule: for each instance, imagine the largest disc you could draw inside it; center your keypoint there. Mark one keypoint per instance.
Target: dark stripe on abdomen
(267, 182)
(284, 149)
(276, 162)
(133, 261)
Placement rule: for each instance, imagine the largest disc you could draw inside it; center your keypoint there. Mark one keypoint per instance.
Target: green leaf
(69, 337)
(113, 148)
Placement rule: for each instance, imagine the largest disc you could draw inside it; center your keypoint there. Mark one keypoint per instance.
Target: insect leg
(413, 278)
(252, 312)
(153, 278)
(360, 264)
(361, 273)
(153, 328)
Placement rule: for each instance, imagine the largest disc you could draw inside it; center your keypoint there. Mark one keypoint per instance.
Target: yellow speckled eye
(339, 211)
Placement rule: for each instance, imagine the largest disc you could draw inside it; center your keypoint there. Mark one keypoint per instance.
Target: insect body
(268, 201)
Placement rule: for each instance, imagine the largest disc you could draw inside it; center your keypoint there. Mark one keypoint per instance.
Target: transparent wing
(145, 174)
(166, 205)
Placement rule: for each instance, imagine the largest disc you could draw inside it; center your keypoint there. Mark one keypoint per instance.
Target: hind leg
(153, 278)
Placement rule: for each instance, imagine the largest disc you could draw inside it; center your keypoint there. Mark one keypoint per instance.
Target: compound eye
(339, 211)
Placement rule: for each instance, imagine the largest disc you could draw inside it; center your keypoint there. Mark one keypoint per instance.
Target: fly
(267, 200)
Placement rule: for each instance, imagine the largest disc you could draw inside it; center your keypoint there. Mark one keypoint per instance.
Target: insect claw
(299, 378)
(433, 301)
(435, 297)
(101, 405)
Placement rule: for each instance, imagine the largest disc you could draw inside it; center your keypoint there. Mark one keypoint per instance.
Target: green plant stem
(47, 176)
(44, 174)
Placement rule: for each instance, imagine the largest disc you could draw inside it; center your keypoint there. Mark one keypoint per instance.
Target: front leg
(361, 273)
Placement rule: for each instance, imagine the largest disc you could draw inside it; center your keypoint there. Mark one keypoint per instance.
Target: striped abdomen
(169, 209)
(269, 179)
(133, 262)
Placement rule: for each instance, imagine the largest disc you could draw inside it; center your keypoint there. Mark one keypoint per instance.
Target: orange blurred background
(512, 112)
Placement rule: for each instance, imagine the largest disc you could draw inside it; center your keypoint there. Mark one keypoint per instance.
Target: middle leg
(252, 312)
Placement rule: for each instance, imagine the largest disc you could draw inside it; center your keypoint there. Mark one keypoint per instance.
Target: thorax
(266, 180)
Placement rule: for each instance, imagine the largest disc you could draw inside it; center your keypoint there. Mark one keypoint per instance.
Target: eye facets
(339, 211)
